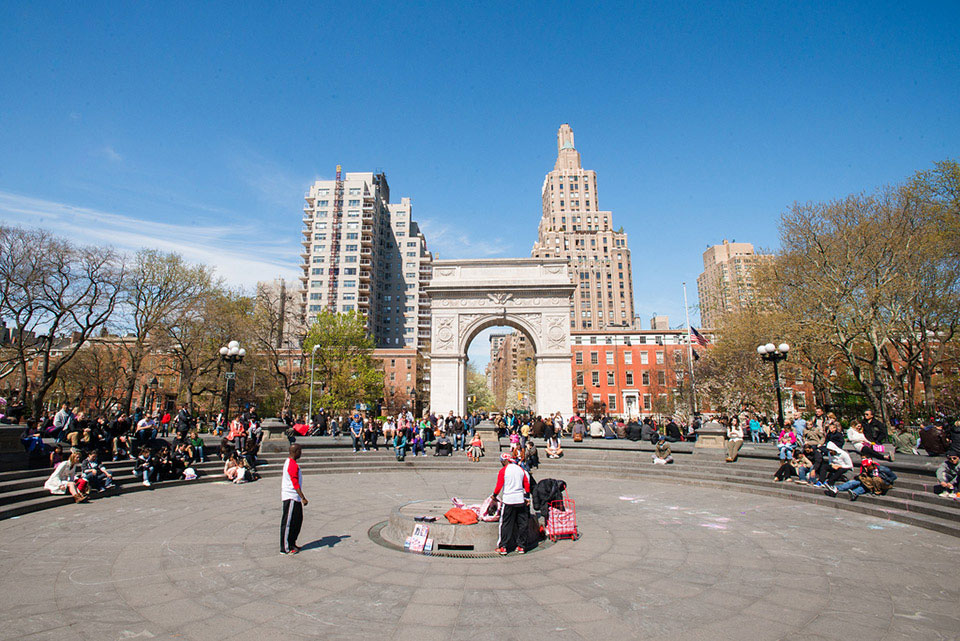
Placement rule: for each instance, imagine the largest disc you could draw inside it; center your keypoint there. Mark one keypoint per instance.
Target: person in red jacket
(514, 482)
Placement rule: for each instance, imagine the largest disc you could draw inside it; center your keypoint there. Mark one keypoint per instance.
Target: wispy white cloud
(454, 243)
(242, 254)
(110, 154)
(271, 182)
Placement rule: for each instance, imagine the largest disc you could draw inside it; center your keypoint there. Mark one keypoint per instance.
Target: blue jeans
(458, 441)
(786, 451)
(418, 448)
(803, 473)
(854, 487)
(357, 442)
(754, 436)
(148, 474)
(401, 451)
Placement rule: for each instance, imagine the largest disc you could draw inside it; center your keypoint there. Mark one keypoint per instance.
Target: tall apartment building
(362, 252)
(727, 281)
(573, 227)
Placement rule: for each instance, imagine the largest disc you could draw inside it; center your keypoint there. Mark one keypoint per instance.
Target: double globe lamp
(774, 354)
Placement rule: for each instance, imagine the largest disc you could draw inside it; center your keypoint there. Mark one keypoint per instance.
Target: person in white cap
(514, 482)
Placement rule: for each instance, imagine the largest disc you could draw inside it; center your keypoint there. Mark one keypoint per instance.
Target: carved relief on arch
(466, 320)
(557, 331)
(443, 332)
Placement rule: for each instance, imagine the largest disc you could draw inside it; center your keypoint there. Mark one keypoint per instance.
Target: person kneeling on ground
(873, 478)
(948, 477)
(663, 455)
(514, 482)
(62, 479)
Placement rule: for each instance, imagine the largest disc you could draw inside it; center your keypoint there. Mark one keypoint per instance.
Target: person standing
(291, 493)
(514, 482)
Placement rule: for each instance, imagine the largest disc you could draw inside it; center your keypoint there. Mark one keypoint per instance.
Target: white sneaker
(146, 483)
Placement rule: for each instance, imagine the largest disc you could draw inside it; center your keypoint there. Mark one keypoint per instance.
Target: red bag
(461, 516)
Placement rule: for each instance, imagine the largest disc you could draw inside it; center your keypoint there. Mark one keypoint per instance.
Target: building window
(610, 378)
(646, 402)
(594, 358)
(645, 379)
(628, 357)
(629, 378)
(644, 358)
(579, 358)
(595, 378)
(661, 377)
(612, 402)
(580, 378)
(660, 358)
(610, 357)
(317, 271)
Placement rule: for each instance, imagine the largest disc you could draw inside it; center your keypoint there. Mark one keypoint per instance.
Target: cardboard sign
(418, 540)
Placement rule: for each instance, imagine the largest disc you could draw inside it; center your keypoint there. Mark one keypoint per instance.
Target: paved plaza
(656, 561)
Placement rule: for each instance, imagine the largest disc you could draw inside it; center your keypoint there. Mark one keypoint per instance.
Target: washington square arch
(531, 295)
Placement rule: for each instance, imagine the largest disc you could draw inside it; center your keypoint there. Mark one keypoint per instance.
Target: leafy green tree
(344, 370)
(479, 395)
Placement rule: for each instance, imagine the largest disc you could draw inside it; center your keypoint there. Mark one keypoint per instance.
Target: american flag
(697, 337)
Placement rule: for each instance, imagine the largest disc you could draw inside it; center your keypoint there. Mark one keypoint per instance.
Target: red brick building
(400, 381)
(647, 373)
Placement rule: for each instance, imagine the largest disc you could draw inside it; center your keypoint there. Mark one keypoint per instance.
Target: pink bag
(490, 509)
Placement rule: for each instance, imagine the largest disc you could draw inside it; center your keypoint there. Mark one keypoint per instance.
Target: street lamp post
(313, 353)
(153, 385)
(774, 354)
(877, 386)
(230, 354)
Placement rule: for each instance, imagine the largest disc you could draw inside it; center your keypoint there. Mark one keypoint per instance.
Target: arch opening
(501, 364)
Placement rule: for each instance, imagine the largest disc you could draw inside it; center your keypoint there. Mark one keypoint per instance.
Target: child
(475, 451)
(663, 455)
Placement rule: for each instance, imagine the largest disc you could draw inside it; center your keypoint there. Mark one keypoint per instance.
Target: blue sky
(198, 127)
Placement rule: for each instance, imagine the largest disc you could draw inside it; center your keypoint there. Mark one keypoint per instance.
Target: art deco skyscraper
(573, 227)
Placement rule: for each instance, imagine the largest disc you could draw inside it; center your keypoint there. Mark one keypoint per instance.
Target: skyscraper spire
(574, 227)
(567, 155)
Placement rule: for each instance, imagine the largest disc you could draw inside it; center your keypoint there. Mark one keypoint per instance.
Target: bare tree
(51, 288)
(278, 337)
(162, 289)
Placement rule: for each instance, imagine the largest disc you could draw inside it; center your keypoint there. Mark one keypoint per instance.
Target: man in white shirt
(515, 484)
(291, 493)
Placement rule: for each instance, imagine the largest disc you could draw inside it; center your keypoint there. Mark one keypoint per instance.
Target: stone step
(901, 510)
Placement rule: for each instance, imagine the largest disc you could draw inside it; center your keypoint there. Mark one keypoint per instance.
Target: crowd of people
(160, 445)
(811, 450)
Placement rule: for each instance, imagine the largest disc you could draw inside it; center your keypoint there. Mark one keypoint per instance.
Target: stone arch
(509, 320)
(531, 294)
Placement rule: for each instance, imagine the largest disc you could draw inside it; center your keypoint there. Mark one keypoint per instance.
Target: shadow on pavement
(325, 542)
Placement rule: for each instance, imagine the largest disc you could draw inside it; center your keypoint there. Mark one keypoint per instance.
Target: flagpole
(693, 386)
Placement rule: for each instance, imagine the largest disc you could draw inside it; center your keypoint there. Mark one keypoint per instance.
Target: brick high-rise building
(727, 281)
(511, 367)
(573, 227)
(362, 252)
